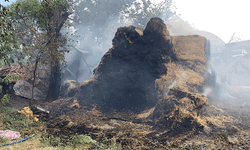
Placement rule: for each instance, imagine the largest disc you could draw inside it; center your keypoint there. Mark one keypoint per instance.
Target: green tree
(140, 14)
(37, 51)
(97, 12)
(8, 41)
(57, 12)
(48, 16)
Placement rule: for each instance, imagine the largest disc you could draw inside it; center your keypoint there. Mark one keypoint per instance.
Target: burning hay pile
(149, 69)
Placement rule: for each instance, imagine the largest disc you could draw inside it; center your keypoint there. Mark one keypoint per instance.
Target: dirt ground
(226, 126)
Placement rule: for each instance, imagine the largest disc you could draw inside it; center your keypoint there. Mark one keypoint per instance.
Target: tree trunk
(55, 74)
(55, 83)
(34, 81)
(57, 19)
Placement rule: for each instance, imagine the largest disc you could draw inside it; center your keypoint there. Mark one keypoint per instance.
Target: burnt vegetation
(148, 89)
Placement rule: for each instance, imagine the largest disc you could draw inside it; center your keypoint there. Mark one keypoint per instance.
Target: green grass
(7, 110)
(11, 120)
(83, 140)
(76, 141)
(18, 122)
(4, 140)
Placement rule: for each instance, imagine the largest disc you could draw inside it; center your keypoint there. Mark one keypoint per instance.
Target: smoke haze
(230, 71)
(229, 64)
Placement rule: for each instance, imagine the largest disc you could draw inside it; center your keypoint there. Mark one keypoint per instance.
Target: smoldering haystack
(149, 69)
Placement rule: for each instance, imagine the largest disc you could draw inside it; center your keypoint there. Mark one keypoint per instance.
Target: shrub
(83, 140)
(7, 80)
(5, 99)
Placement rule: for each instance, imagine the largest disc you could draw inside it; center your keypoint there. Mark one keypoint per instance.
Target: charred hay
(149, 68)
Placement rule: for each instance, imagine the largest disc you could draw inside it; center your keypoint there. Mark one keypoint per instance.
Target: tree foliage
(57, 14)
(37, 51)
(99, 15)
(8, 41)
(39, 24)
(97, 12)
(140, 14)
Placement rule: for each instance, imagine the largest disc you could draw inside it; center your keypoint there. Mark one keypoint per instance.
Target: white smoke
(207, 91)
(170, 87)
